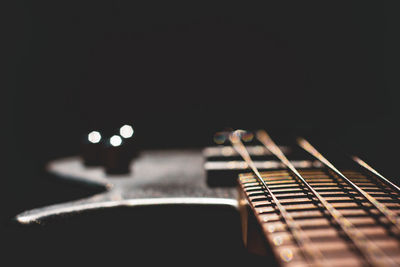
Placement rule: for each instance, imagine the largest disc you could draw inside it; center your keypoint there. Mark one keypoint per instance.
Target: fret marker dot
(278, 240)
(287, 254)
(271, 228)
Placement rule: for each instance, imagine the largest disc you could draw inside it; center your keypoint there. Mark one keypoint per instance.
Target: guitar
(287, 206)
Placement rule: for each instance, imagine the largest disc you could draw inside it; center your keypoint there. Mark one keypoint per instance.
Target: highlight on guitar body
(294, 205)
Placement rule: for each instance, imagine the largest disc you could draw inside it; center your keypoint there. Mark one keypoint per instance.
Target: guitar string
(389, 214)
(309, 250)
(377, 174)
(368, 249)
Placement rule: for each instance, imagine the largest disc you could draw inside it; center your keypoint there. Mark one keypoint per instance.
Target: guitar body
(163, 207)
(157, 178)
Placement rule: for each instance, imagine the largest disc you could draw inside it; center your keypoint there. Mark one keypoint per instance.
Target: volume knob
(116, 159)
(91, 149)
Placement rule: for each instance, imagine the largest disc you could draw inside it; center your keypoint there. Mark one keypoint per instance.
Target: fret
(320, 223)
(338, 196)
(288, 188)
(317, 219)
(372, 232)
(340, 206)
(301, 205)
(333, 245)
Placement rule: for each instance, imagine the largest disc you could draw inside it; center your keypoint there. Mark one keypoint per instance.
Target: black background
(181, 70)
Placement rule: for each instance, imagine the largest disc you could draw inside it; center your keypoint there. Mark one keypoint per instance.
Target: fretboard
(320, 230)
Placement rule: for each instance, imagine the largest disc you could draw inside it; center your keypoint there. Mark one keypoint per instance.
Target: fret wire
(390, 215)
(372, 170)
(310, 251)
(358, 201)
(368, 249)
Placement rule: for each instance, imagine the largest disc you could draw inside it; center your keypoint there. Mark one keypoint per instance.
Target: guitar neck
(320, 216)
(313, 219)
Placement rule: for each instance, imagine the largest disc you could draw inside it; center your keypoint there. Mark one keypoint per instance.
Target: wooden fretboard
(315, 222)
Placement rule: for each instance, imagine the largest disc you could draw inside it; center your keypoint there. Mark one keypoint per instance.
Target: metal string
(310, 251)
(377, 174)
(374, 255)
(389, 214)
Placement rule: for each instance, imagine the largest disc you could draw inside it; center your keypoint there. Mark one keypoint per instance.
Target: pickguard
(175, 177)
